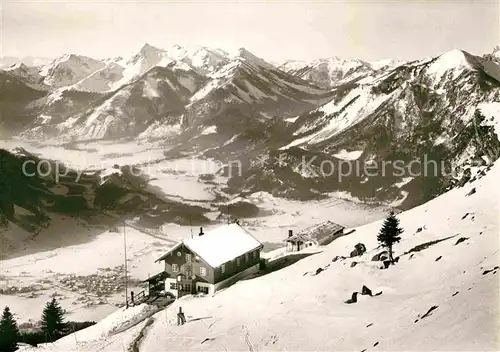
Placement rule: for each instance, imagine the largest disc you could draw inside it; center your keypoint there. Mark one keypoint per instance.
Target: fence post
(132, 297)
(181, 319)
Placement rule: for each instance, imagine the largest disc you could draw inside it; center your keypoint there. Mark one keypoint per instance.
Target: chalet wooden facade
(209, 261)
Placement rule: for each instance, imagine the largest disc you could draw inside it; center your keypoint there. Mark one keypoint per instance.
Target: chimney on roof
(290, 233)
(201, 231)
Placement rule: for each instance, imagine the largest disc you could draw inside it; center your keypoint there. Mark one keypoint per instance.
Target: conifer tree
(53, 324)
(9, 332)
(389, 233)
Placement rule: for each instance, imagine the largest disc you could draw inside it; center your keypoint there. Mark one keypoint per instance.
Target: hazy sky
(274, 30)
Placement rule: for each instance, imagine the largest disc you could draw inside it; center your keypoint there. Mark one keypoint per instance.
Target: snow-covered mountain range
(214, 134)
(333, 108)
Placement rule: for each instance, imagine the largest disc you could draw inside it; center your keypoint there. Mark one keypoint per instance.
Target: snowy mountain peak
(17, 66)
(69, 69)
(148, 49)
(328, 72)
(387, 63)
(205, 60)
(247, 56)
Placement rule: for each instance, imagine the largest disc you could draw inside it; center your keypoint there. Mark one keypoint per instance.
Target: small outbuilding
(316, 235)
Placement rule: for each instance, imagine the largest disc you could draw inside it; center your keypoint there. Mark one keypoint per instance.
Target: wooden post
(181, 319)
(132, 297)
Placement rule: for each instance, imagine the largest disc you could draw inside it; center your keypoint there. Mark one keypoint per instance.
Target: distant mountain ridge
(331, 108)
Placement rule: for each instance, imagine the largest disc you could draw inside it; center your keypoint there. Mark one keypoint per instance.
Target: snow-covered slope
(157, 96)
(425, 109)
(102, 80)
(452, 79)
(301, 307)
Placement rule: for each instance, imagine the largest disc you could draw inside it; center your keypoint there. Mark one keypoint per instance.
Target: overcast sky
(370, 30)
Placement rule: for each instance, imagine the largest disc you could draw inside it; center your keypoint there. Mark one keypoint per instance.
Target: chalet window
(238, 261)
(203, 271)
(175, 268)
(223, 268)
(179, 254)
(203, 289)
(173, 286)
(188, 257)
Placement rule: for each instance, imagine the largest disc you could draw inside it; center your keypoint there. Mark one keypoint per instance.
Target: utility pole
(191, 226)
(125, 254)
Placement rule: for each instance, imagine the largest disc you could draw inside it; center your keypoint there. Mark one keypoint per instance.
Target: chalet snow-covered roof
(317, 232)
(220, 245)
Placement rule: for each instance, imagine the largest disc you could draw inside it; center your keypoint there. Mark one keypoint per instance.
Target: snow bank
(345, 155)
(106, 331)
(492, 113)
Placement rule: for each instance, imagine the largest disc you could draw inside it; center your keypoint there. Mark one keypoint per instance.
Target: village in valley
(201, 265)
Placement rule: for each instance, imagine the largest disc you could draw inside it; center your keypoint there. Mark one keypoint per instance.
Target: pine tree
(9, 332)
(389, 233)
(53, 324)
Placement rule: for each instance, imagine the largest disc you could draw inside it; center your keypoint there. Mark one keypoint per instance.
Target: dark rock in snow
(366, 291)
(419, 230)
(472, 191)
(384, 255)
(353, 299)
(386, 264)
(207, 339)
(490, 270)
(466, 214)
(426, 245)
(319, 270)
(359, 249)
(453, 295)
(375, 344)
(439, 258)
(429, 312)
(461, 239)
(353, 264)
